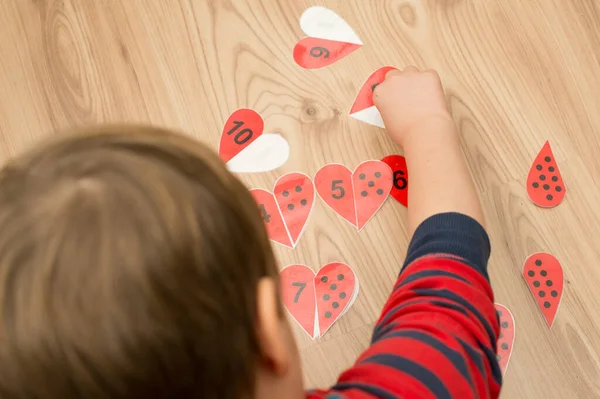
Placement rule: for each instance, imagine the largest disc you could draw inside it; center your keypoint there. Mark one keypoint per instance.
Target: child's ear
(271, 329)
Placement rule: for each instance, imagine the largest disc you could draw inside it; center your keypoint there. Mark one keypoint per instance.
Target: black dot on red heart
(333, 287)
(501, 335)
(324, 279)
(504, 346)
(538, 167)
(378, 174)
(498, 357)
(531, 273)
(505, 324)
(371, 183)
(362, 176)
(549, 283)
(335, 305)
(298, 189)
(547, 159)
(342, 295)
(558, 189)
(547, 304)
(340, 277)
(538, 262)
(535, 184)
(291, 207)
(326, 297)
(544, 273)
(286, 193)
(549, 197)
(551, 169)
(555, 178)
(499, 312)
(542, 177)
(536, 284)
(546, 187)
(542, 294)
(554, 294)
(303, 202)
(364, 193)
(327, 315)
(380, 192)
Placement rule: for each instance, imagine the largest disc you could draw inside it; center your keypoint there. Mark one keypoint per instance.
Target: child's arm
(436, 337)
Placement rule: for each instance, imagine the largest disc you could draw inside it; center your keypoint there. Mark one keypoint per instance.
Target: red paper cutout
(327, 294)
(241, 129)
(364, 98)
(400, 174)
(544, 276)
(356, 196)
(298, 295)
(314, 53)
(545, 185)
(506, 338)
(286, 211)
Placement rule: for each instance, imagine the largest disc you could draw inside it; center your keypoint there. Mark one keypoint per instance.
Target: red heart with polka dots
(506, 339)
(358, 195)
(544, 276)
(286, 210)
(316, 301)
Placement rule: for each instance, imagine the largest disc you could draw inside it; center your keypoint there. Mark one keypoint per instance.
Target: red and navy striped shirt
(436, 337)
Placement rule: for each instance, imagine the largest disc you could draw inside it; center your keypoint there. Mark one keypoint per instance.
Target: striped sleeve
(436, 337)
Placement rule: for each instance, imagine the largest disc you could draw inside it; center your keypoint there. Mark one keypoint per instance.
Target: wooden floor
(517, 73)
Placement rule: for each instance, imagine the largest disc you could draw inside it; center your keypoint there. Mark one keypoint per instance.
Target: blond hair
(129, 258)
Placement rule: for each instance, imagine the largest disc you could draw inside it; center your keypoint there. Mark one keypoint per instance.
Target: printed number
(319, 52)
(302, 287)
(265, 215)
(399, 182)
(339, 189)
(243, 136)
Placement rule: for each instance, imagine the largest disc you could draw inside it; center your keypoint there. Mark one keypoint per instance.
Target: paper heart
(544, 277)
(364, 108)
(244, 147)
(330, 39)
(316, 301)
(545, 185)
(397, 164)
(506, 339)
(286, 210)
(358, 195)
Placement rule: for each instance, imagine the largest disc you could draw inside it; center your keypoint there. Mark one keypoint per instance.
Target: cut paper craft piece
(244, 147)
(313, 53)
(364, 108)
(323, 23)
(358, 195)
(317, 301)
(506, 339)
(545, 185)
(544, 276)
(286, 211)
(397, 164)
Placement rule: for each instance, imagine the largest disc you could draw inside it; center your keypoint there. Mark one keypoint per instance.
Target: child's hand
(410, 98)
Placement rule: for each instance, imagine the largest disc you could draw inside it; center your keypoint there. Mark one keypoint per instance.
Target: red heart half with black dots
(544, 276)
(317, 300)
(506, 339)
(545, 186)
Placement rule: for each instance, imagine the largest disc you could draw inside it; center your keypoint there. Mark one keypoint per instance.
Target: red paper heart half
(314, 53)
(286, 210)
(545, 185)
(364, 108)
(544, 276)
(358, 195)
(397, 164)
(506, 339)
(317, 301)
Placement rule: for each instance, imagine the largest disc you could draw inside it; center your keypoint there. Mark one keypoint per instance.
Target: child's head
(134, 265)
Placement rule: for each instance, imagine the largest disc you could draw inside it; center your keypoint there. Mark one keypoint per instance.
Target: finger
(391, 73)
(411, 68)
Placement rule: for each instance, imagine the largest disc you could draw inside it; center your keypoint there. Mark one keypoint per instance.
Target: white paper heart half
(369, 115)
(269, 151)
(323, 23)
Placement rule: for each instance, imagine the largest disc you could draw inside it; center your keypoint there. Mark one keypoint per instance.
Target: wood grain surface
(516, 72)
